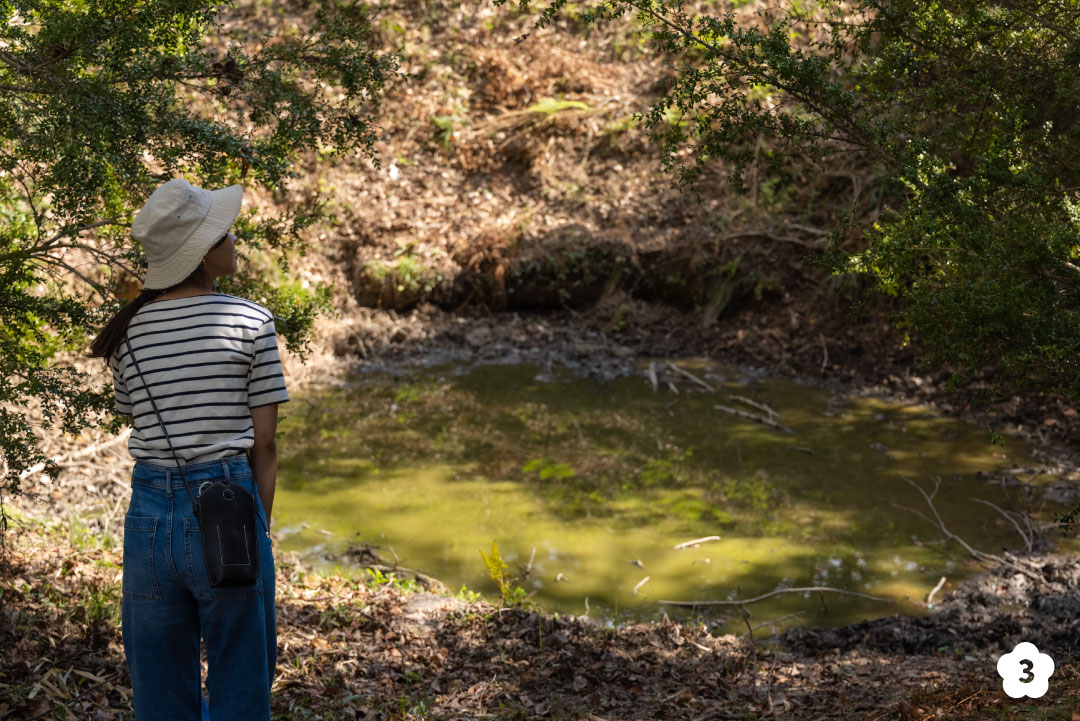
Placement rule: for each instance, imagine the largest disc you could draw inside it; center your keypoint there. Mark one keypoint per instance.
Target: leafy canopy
(100, 103)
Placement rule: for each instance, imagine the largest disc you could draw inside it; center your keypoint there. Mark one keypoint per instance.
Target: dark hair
(112, 335)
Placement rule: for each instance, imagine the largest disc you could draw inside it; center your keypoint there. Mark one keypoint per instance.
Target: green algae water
(599, 483)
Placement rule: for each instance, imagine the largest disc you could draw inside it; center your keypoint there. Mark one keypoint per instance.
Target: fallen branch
(1028, 540)
(695, 542)
(755, 404)
(691, 376)
(940, 524)
(528, 566)
(930, 598)
(754, 417)
(755, 599)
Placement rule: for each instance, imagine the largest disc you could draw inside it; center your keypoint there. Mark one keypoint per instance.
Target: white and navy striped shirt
(206, 360)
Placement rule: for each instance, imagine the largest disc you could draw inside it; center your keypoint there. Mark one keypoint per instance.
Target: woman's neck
(184, 292)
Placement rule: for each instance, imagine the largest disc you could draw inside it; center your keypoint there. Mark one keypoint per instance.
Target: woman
(210, 362)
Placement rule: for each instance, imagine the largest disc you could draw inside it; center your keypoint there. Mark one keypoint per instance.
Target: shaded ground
(356, 650)
(386, 649)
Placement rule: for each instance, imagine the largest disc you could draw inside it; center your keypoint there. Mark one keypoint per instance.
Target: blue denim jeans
(168, 604)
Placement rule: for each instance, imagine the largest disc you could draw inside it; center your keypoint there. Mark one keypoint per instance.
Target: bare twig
(641, 583)
(940, 524)
(755, 404)
(696, 541)
(755, 599)
(65, 457)
(1028, 541)
(652, 375)
(691, 376)
(754, 417)
(528, 566)
(930, 598)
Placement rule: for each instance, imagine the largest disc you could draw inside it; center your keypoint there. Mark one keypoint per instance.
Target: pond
(593, 486)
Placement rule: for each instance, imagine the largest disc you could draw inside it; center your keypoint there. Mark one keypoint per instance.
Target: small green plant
(466, 595)
(101, 602)
(512, 594)
(548, 468)
(548, 106)
(622, 317)
(496, 566)
(377, 578)
(337, 617)
(447, 126)
(406, 273)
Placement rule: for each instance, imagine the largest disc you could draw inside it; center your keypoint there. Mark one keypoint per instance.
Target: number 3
(1028, 676)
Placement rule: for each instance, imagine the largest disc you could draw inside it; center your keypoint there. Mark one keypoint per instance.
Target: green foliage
(447, 125)
(377, 578)
(549, 106)
(622, 317)
(666, 472)
(548, 468)
(406, 273)
(961, 111)
(495, 566)
(100, 103)
(466, 595)
(512, 594)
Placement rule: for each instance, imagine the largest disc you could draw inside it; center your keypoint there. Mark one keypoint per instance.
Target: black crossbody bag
(226, 515)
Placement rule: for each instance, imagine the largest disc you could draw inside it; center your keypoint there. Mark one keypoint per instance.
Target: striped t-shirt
(206, 359)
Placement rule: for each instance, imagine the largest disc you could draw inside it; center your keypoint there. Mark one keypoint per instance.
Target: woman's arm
(264, 454)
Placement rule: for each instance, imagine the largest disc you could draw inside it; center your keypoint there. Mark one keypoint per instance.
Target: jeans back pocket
(140, 576)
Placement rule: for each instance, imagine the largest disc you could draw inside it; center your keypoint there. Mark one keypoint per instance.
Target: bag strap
(194, 503)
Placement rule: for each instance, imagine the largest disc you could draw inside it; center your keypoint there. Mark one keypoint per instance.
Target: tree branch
(980, 555)
(778, 591)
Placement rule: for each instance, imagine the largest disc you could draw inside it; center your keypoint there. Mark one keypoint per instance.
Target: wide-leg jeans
(168, 604)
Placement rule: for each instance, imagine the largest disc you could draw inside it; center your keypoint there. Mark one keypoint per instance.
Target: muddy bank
(988, 614)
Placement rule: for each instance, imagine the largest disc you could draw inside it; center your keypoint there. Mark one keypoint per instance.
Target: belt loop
(168, 483)
(225, 468)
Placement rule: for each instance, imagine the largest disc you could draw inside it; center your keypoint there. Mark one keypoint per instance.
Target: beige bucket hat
(178, 225)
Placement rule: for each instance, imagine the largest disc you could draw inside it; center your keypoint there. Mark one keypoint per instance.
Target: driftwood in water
(691, 376)
(762, 597)
(696, 541)
(756, 404)
(754, 417)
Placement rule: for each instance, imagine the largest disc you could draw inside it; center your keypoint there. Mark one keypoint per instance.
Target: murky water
(604, 480)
